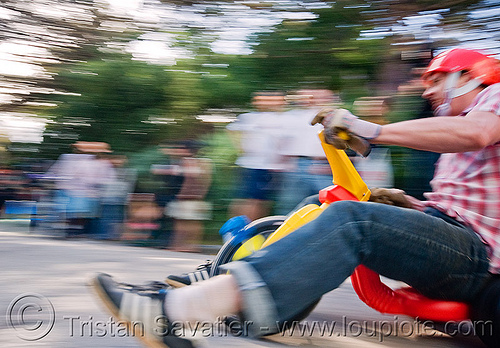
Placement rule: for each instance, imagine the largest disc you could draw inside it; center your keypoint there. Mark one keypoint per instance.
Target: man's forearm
(436, 134)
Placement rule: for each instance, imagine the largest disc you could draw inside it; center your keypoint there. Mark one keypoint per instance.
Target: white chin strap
(451, 92)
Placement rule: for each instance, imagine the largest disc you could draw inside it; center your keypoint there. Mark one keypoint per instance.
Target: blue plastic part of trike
(235, 227)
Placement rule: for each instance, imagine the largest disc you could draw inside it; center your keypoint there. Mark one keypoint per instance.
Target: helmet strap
(451, 91)
(449, 85)
(468, 87)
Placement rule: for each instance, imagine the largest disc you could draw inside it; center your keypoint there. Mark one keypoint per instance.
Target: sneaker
(202, 273)
(142, 308)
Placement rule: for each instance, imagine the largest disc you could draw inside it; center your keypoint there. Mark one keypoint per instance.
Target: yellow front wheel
(255, 234)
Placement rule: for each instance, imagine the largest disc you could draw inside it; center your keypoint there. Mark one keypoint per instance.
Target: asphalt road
(44, 292)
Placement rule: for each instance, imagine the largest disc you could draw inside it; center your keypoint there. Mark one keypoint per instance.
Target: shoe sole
(101, 294)
(175, 283)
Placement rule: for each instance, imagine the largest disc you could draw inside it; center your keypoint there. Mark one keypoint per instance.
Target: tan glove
(339, 135)
(393, 196)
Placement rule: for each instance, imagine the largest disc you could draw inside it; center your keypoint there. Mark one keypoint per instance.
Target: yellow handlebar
(344, 173)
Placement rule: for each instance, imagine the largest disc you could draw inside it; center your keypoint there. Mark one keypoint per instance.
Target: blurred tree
(323, 43)
(52, 31)
(41, 34)
(319, 52)
(129, 104)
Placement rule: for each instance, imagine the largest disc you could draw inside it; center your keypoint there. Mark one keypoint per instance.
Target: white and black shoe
(142, 308)
(202, 273)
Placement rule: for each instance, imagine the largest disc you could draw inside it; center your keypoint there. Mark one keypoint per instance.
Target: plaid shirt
(466, 186)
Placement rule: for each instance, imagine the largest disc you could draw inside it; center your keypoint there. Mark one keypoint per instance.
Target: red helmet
(482, 67)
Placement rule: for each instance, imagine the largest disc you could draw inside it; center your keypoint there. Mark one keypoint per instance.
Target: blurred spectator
(376, 169)
(114, 198)
(169, 185)
(418, 165)
(12, 185)
(141, 217)
(414, 86)
(188, 209)
(309, 170)
(256, 135)
(373, 109)
(80, 178)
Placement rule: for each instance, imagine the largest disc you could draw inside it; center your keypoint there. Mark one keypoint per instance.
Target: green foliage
(220, 149)
(142, 161)
(129, 104)
(323, 52)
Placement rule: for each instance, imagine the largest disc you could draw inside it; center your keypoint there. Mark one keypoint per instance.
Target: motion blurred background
(137, 74)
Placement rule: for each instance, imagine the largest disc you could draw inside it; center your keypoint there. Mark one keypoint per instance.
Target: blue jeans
(112, 215)
(429, 251)
(257, 183)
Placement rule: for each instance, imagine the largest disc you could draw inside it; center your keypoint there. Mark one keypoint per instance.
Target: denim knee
(259, 310)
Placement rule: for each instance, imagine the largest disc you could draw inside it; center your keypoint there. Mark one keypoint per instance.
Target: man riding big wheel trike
(446, 248)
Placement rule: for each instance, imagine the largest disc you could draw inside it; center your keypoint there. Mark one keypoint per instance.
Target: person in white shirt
(309, 170)
(257, 136)
(80, 178)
